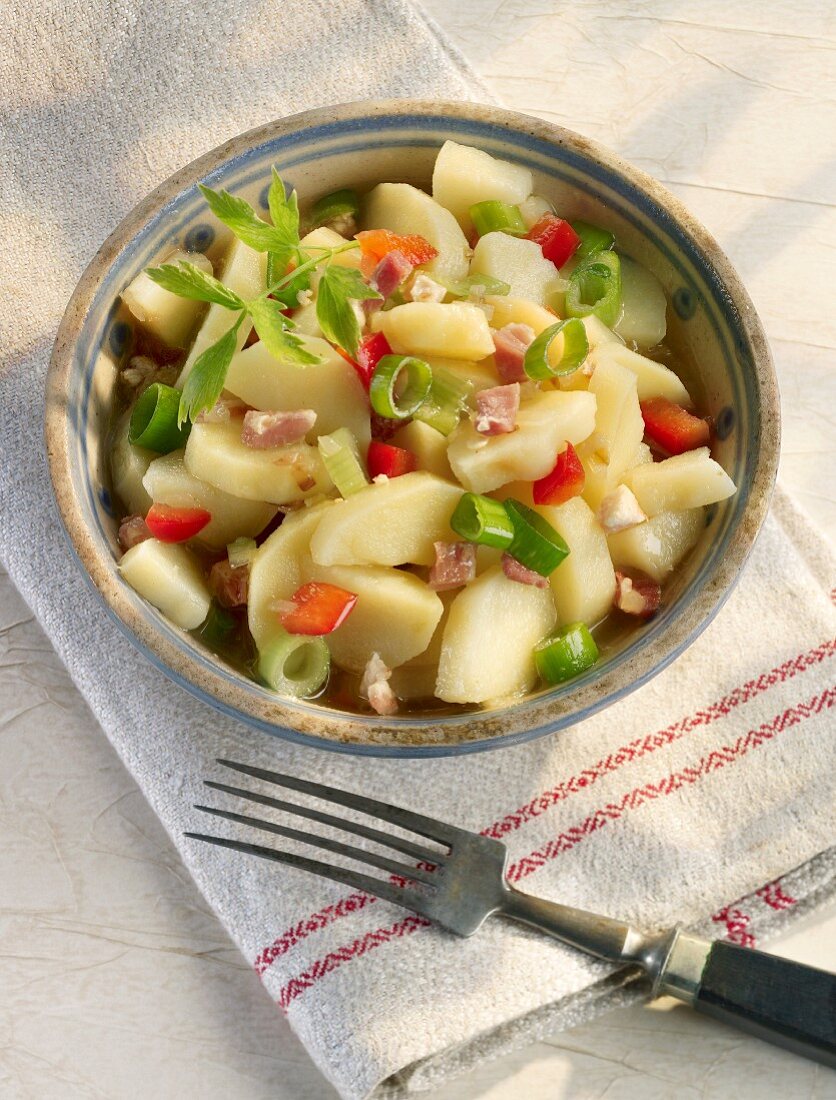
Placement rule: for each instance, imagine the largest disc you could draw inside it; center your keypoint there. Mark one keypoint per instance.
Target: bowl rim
(307, 724)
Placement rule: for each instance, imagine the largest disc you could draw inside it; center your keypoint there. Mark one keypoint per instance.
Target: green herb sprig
(339, 289)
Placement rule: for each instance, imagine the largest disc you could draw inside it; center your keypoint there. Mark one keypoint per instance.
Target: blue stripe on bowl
(698, 278)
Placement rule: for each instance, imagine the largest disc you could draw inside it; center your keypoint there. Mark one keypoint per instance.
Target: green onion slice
(536, 544)
(565, 653)
(595, 287)
(498, 217)
(339, 204)
(387, 381)
(593, 239)
(465, 288)
(342, 461)
(483, 520)
(574, 349)
(153, 421)
(446, 400)
(295, 664)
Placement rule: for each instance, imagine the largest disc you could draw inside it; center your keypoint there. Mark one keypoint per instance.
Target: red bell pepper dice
(383, 458)
(170, 524)
(556, 238)
(320, 608)
(673, 428)
(371, 350)
(377, 243)
(564, 482)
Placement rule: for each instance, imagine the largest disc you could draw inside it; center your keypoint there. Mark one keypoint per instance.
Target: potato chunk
(583, 584)
(395, 615)
(388, 523)
(643, 306)
(619, 426)
(279, 475)
(128, 465)
(245, 272)
(282, 564)
(487, 646)
(464, 176)
(331, 388)
(652, 379)
(689, 480)
(659, 545)
(546, 421)
(508, 311)
(455, 330)
(166, 315)
(405, 209)
(518, 262)
(169, 577)
(427, 444)
(167, 481)
(324, 237)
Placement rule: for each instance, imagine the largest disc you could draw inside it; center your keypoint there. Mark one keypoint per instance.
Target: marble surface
(116, 980)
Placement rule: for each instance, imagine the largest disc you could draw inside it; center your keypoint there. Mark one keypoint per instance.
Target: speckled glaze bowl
(361, 144)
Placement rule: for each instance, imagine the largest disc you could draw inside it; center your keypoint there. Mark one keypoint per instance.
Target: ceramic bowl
(357, 145)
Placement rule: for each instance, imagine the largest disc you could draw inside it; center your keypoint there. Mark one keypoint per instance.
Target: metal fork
(463, 882)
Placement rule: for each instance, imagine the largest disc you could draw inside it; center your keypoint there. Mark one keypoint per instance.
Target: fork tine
(425, 826)
(401, 844)
(397, 895)
(349, 850)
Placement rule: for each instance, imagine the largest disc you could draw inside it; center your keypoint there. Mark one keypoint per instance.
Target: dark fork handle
(782, 1002)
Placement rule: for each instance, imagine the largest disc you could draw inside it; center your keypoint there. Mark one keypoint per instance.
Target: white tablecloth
(731, 112)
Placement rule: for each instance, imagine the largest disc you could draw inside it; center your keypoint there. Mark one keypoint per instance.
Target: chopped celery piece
(593, 239)
(536, 544)
(483, 520)
(386, 400)
(339, 204)
(595, 287)
(153, 421)
(241, 552)
(446, 400)
(497, 217)
(575, 349)
(342, 461)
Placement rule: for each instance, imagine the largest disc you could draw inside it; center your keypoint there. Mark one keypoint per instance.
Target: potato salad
(409, 449)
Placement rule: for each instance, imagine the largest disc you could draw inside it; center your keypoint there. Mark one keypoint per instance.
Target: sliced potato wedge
(619, 426)
(508, 310)
(331, 388)
(168, 576)
(281, 565)
(685, 481)
(545, 423)
(278, 475)
(395, 615)
(388, 523)
(453, 330)
(518, 262)
(405, 209)
(658, 546)
(324, 237)
(244, 272)
(487, 647)
(583, 584)
(644, 306)
(167, 481)
(652, 379)
(464, 176)
(166, 315)
(428, 445)
(128, 465)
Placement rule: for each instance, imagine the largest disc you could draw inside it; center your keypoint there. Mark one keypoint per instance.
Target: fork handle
(783, 1002)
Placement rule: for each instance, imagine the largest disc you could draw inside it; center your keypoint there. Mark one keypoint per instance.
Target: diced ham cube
(132, 531)
(375, 686)
(276, 429)
(229, 584)
(425, 289)
(620, 510)
(455, 565)
(140, 372)
(496, 409)
(511, 344)
(515, 571)
(390, 273)
(637, 594)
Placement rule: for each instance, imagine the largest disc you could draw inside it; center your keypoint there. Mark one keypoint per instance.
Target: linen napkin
(707, 796)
